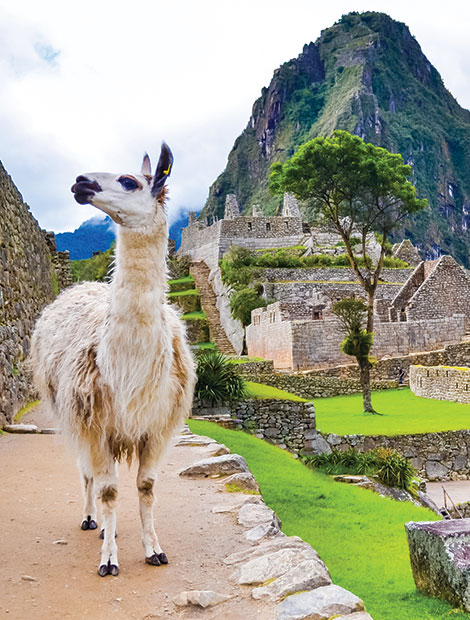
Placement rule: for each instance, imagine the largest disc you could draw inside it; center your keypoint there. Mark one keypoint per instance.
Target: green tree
(357, 188)
(242, 302)
(352, 314)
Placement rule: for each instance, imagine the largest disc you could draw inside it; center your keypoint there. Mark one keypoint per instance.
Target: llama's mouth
(84, 189)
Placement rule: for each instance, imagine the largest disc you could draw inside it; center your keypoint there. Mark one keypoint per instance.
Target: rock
(269, 546)
(28, 578)
(360, 615)
(217, 466)
(218, 449)
(435, 470)
(351, 479)
(195, 440)
(269, 530)
(306, 575)
(320, 604)
(201, 598)
(245, 482)
(427, 502)
(317, 445)
(60, 542)
(254, 514)
(20, 428)
(440, 559)
(50, 431)
(272, 565)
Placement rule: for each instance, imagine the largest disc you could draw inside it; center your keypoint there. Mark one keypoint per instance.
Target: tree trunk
(364, 367)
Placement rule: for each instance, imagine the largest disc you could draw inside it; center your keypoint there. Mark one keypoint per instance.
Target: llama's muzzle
(84, 189)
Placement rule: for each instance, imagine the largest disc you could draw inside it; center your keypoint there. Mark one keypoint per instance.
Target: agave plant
(217, 378)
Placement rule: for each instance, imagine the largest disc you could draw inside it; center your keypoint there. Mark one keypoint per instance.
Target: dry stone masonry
(31, 274)
(441, 382)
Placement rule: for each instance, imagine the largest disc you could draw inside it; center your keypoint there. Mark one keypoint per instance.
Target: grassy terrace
(191, 316)
(403, 413)
(359, 534)
(259, 390)
(189, 291)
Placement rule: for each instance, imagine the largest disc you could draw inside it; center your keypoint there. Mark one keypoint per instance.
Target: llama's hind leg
(89, 517)
(146, 485)
(106, 491)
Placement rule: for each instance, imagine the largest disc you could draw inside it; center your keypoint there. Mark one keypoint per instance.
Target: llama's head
(133, 201)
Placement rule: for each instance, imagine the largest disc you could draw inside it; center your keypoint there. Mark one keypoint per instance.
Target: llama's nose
(83, 179)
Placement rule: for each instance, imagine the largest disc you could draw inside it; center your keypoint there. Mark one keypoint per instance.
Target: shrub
(243, 302)
(217, 378)
(388, 466)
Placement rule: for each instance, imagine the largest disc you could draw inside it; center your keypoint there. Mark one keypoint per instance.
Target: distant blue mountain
(97, 234)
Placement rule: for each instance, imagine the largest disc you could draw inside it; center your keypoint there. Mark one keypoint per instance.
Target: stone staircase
(200, 272)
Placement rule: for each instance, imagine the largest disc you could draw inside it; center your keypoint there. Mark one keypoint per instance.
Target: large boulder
(440, 559)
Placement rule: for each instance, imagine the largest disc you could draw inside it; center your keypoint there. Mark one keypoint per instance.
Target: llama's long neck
(136, 342)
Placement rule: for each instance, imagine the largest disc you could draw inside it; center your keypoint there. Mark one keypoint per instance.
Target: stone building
(31, 274)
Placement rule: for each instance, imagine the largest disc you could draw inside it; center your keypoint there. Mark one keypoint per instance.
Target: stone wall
(445, 291)
(333, 290)
(441, 382)
(327, 274)
(285, 423)
(28, 281)
(311, 386)
(436, 456)
(298, 344)
(197, 330)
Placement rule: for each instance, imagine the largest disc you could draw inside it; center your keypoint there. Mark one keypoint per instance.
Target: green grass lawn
(181, 280)
(358, 534)
(189, 291)
(403, 413)
(259, 390)
(245, 359)
(191, 316)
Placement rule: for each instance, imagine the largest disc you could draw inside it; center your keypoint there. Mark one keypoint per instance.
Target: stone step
(200, 272)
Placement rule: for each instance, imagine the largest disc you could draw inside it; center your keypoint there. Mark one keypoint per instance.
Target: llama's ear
(146, 168)
(163, 170)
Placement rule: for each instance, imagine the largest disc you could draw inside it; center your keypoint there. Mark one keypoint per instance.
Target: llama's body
(112, 363)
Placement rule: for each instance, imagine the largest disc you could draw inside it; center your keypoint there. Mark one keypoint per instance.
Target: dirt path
(40, 503)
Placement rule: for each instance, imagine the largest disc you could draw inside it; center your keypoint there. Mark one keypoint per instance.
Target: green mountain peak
(368, 75)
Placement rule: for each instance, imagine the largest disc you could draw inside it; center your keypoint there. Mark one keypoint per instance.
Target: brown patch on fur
(121, 448)
(162, 196)
(146, 487)
(109, 494)
(149, 178)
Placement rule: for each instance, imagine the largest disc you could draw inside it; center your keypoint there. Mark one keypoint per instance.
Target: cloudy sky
(91, 86)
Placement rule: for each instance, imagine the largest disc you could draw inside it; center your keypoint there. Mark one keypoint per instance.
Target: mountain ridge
(368, 75)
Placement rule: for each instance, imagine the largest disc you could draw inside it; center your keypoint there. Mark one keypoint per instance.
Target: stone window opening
(287, 225)
(250, 226)
(268, 226)
(427, 373)
(466, 387)
(447, 373)
(421, 382)
(456, 386)
(317, 315)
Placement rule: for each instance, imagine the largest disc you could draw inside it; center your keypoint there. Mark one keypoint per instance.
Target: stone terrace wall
(334, 290)
(27, 283)
(441, 382)
(285, 423)
(327, 274)
(311, 386)
(453, 354)
(436, 456)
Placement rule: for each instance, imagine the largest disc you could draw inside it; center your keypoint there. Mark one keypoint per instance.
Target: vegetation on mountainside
(358, 534)
(217, 379)
(94, 269)
(358, 189)
(374, 81)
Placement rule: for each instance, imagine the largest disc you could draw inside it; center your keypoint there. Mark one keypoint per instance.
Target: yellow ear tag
(167, 171)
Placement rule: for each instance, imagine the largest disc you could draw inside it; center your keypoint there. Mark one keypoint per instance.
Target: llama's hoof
(108, 569)
(89, 524)
(156, 559)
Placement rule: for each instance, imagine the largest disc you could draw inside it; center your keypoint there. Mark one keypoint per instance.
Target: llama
(111, 360)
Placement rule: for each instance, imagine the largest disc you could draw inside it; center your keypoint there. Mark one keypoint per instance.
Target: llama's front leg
(106, 491)
(146, 483)
(89, 518)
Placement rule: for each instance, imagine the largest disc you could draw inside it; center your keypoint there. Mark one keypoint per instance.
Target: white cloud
(93, 87)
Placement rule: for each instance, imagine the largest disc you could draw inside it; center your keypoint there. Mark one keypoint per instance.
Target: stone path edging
(281, 569)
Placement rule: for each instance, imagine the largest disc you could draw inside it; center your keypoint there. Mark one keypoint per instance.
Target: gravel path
(48, 565)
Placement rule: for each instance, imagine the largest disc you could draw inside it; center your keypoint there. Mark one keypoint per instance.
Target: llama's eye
(128, 183)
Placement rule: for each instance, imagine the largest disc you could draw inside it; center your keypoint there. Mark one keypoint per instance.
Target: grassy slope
(403, 413)
(358, 534)
(259, 390)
